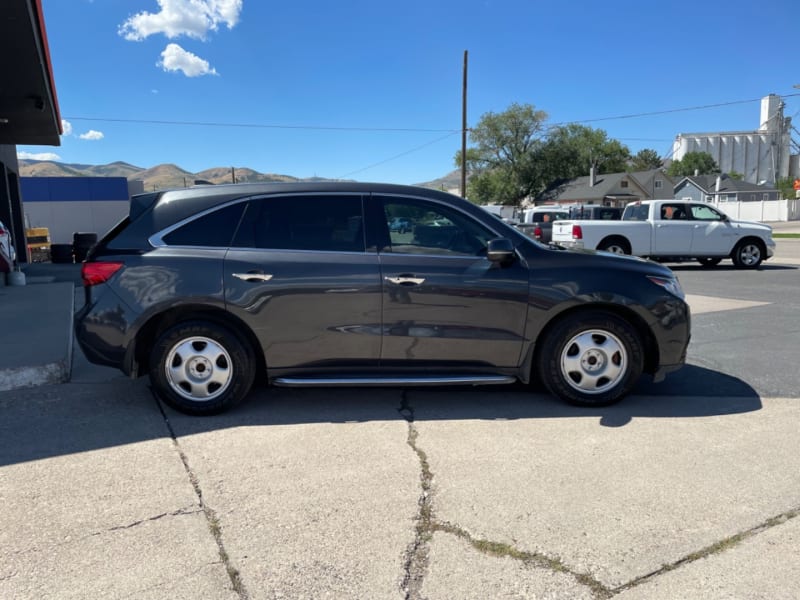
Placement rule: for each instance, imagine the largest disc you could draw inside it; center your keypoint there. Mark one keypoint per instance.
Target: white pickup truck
(672, 230)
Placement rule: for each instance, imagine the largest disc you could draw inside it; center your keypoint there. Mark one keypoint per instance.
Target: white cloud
(192, 18)
(39, 156)
(175, 58)
(66, 126)
(92, 135)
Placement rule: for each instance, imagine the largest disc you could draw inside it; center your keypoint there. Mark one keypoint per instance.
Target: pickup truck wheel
(201, 368)
(591, 359)
(615, 245)
(748, 254)
(709, 261)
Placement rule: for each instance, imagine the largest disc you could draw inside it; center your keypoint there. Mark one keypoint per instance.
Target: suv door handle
(252, 276)
(405, 280)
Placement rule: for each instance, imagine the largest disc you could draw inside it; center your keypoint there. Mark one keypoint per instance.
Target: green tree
(646, 159)
(785, 186)
(702, 162)
(573, 149)
(736, 175)
(503, 160)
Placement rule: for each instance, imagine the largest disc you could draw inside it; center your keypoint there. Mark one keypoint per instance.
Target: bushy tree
(785, 186)
(646, 159)
(515, 155)
(702, 162)
(573, 149)
(503, 158)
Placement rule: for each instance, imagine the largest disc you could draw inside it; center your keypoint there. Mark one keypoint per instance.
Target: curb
(51, 371)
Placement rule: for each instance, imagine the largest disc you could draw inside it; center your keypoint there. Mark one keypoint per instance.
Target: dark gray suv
(211, 288)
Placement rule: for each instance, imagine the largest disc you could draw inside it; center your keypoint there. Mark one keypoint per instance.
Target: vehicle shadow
(692, 392)
(41, 423)
(687, 266)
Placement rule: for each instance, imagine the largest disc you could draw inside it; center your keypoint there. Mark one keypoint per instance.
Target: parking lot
(687, 489)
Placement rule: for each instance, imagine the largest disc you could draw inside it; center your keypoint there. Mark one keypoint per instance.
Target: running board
(392, 381)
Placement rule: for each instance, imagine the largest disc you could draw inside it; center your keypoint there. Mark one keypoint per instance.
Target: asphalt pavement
(686, 489)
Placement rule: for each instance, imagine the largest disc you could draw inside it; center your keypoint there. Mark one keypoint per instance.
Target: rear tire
(201, 368)
(591, 359)
(615, 245)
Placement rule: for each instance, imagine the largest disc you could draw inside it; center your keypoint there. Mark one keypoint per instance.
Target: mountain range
(171, 176)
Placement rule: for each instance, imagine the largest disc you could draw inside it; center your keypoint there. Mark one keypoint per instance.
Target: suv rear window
(215, 229)
(304, 222)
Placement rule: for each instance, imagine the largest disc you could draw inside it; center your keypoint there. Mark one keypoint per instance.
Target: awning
(28, 105)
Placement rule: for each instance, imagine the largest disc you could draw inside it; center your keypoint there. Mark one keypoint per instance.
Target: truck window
(636, 212)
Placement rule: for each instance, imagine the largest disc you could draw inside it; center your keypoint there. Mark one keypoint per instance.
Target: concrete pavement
(458, 493)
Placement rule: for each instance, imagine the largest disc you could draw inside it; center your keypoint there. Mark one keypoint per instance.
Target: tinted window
(636, 212)
(674, 212)
(305, 222)
(215, 229)
(434, 229)
(705, 213)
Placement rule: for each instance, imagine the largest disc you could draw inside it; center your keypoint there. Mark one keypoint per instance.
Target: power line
(444, 137)
(449, 132)
(260, 125)
(396, 129)
(669, 111)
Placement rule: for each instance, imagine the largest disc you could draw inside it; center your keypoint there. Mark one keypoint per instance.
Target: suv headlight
(671, 284)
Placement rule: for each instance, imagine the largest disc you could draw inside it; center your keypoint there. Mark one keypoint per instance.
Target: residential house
(723, 188)
(609, 189)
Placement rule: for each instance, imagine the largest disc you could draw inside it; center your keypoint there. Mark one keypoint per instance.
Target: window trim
(157, 239)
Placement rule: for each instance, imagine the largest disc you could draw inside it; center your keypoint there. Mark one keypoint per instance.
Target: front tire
(748, 254)
(591, 359)
(201, 368)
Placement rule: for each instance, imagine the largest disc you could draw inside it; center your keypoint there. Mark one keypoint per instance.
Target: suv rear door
(299, 274)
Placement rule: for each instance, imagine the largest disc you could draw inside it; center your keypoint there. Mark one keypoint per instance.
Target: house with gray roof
(723, 188)
(609, 189)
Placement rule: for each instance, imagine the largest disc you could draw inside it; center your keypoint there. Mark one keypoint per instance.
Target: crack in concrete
(175, 513)
(716, 548)
(531, 559)
(417, 554)
(211, 516)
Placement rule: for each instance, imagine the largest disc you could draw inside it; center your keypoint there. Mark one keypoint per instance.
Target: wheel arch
(750, 239)
(649, 343)
(615, 238)
(149, 332)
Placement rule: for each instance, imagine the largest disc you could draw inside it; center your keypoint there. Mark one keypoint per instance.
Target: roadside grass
(791, 236)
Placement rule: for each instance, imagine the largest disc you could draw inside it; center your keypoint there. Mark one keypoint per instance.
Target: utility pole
(464, 132)
(233, 175)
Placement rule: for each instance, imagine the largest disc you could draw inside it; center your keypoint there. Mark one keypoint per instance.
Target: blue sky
(371, 90)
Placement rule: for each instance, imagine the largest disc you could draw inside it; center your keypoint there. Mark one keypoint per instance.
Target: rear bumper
(103, 328)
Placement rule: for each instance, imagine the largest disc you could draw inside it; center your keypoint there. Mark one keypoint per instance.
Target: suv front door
(443, 301)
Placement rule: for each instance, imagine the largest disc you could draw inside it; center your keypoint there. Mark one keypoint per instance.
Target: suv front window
(435, 230)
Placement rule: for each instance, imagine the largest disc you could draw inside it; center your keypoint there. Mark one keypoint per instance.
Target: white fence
(764, 210)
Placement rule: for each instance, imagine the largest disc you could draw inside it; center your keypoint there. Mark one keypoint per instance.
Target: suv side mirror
(500, 250)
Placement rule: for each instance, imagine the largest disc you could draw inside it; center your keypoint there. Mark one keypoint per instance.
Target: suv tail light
(93, 273)
(577, 232)
(537, 233)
